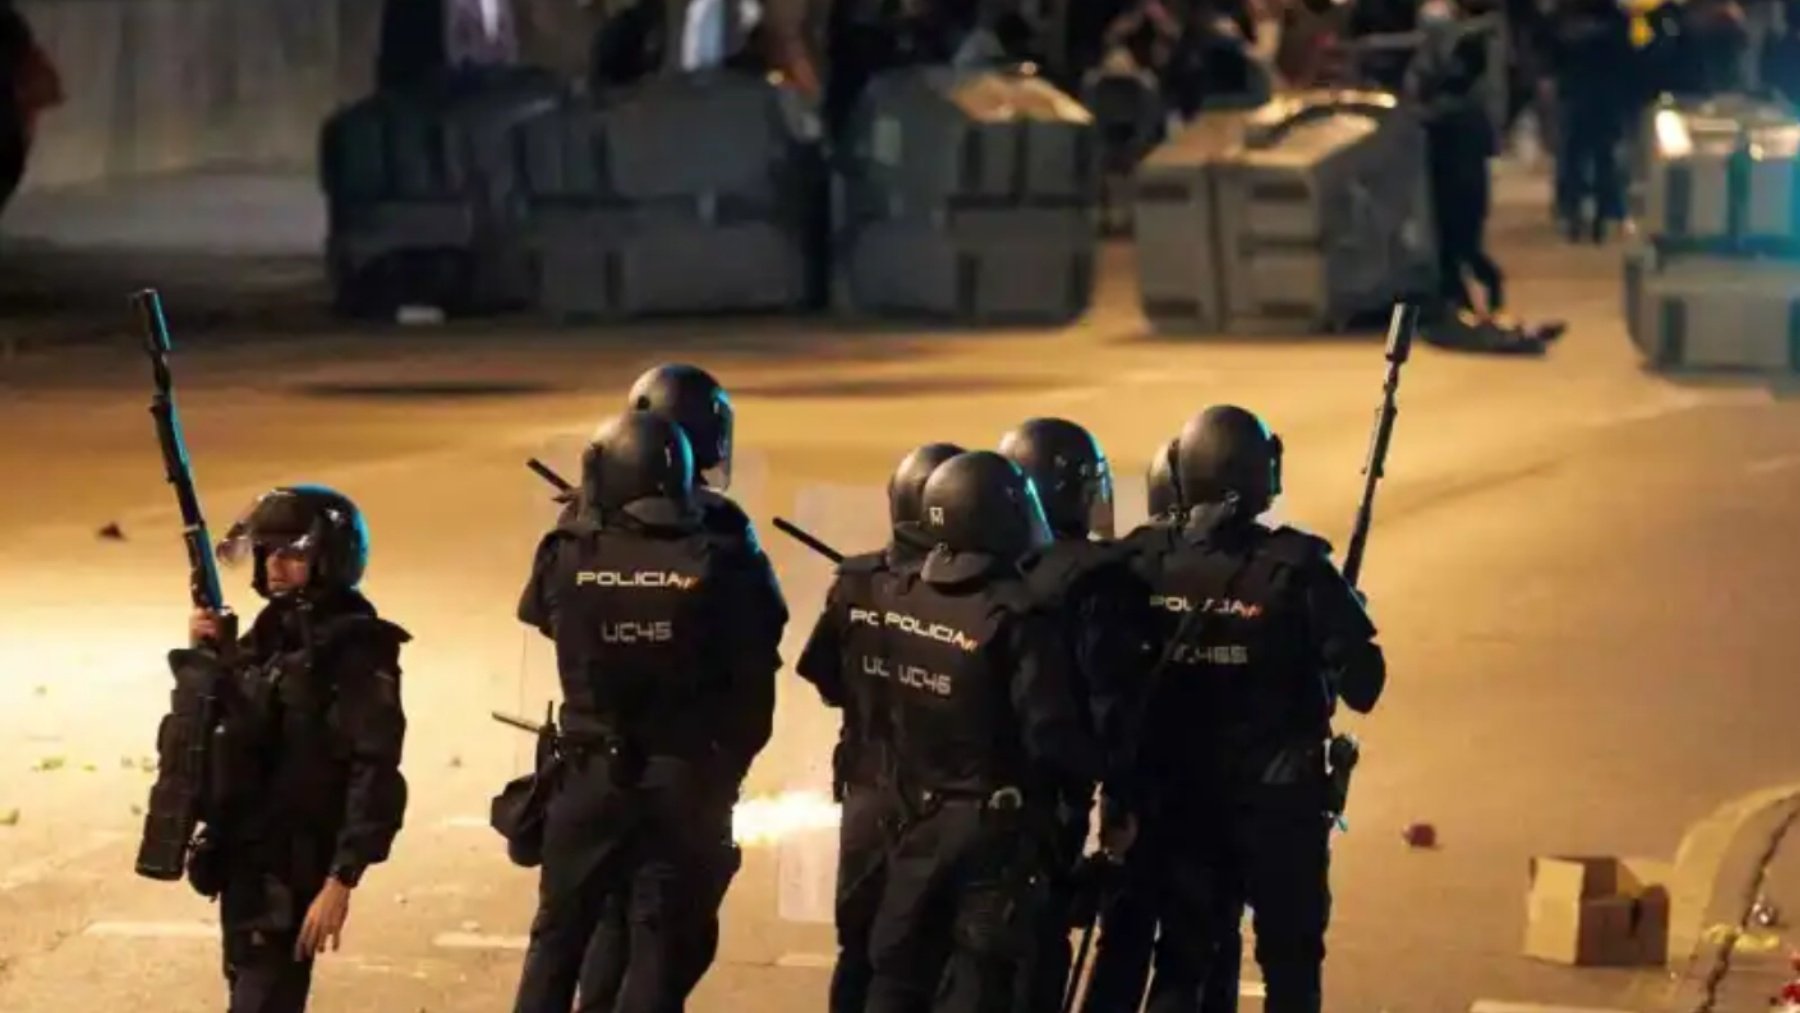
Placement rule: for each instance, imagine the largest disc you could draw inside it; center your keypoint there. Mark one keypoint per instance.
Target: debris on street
(1420, 835)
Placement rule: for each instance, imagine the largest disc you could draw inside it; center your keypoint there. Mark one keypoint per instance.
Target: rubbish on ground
(111, 533)
(49, 763)
(9, 818)
(1420, 835)
(1598, 911)
(1765, 914)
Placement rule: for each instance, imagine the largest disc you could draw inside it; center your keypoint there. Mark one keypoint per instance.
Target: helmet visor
(1099, 495)
(717, 476)
(271, 524)
(1038, 533)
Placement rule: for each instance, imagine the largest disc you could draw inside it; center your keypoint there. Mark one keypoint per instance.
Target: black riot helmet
(1227, 455)
(906, 489)
(981, 507)
(1162, 491)
(689, 397)
(1068, 467)
(320, 522)
(640, 465)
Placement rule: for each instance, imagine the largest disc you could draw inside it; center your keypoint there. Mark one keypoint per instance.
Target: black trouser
(956, 917)
(1268, 846)
(609, 949)
(262, 974)
(1128, 935)
(1460, 196)
(1587, 165)
(657, 845)
(1046, 975)
(870, 819)
(260, 917)
(603, 966)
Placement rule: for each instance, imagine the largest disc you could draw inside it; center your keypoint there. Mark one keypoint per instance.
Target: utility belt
(625, 760)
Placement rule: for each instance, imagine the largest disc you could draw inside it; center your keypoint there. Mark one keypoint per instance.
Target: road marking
(153, 930)
(1677, 402)
(478, 941)
(1496, 1006)
(809, 960)
(1772, 464)
(464, 823)
(1252, 990)
(31, 872)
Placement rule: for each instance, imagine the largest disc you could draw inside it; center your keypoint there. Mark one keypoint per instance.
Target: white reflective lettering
(640, 578)
(932, 631)
(910, 676)
(637, 633)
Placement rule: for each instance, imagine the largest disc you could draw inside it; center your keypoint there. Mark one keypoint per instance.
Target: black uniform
(1101, 608)
(837, 660)
(306, 769)
(987, 736)
(840, 660)
(692, 399)
(667, 658)
(1236, 742)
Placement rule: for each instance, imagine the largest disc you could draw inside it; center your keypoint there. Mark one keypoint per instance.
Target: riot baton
(548, 474)
(517, 722)
(801, 535)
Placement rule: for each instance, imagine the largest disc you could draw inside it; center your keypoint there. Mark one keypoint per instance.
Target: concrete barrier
(165, 85)
(157, 86)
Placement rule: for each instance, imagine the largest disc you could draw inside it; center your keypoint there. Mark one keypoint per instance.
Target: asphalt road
(1582, 573)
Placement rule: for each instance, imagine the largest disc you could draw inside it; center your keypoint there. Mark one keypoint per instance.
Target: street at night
(1582, 572)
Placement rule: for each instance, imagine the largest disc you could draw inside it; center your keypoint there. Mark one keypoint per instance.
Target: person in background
(423, 39)
(1720, 37)
(1781, 56)
(29, 85)
(1442, 81)
(1592, 57)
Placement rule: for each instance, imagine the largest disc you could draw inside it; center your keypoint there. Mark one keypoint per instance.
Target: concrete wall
(159, 86)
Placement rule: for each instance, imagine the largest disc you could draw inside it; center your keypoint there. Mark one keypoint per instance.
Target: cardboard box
(1598, 912)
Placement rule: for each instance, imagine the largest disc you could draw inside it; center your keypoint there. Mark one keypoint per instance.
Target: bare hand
(204, 627)
(324, 921)
(1118, 838)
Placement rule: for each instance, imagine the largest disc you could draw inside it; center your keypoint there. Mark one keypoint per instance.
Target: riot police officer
(667, 662)
(842, 648)
(1082, 579)
(1128, 917)
(306, 768)
(1262, 638)
(987, 735)
(691, 398)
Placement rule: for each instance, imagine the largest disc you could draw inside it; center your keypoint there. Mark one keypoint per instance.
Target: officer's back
(1261, 637)
(986, 735)
(668, 695)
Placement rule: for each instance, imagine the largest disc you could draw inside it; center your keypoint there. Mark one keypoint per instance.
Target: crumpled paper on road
(1745, 941)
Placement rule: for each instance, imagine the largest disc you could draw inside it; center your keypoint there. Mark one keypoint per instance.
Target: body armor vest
(1244, 681)
(630, 622)
(282, 762)
(945, 669)
(866, 735)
